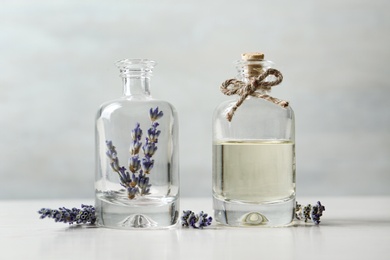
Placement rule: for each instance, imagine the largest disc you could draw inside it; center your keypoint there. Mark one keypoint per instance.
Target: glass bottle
(253, 156)
(137, 168)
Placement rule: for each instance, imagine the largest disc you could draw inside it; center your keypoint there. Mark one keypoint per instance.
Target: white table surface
(351, 228)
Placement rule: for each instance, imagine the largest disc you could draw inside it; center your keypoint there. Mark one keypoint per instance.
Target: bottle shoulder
(254, 107)
(126, 102)
(125, 106)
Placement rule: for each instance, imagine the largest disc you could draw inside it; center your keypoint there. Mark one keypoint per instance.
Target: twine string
(257, 87)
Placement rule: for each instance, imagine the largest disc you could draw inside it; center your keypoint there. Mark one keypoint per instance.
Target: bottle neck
(136, 86)
(248, 69)
(136, 75)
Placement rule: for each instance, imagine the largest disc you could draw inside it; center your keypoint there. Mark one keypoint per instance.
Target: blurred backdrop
(57, 67)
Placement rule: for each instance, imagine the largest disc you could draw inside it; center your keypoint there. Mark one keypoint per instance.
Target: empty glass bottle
(253, 150)
(137, 168)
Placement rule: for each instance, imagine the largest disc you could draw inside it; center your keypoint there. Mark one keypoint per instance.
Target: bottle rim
(135, 63)
(135, 67)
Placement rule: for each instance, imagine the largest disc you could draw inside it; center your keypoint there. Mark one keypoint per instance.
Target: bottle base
(271, 214)
(146, 215)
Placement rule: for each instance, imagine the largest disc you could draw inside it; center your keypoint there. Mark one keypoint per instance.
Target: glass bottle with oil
(254, 154)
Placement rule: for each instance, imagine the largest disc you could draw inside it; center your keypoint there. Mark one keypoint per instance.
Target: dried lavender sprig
(198, 221)
(309, 212)
(85, 215)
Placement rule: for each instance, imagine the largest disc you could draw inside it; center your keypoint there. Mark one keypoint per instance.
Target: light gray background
(56, 68)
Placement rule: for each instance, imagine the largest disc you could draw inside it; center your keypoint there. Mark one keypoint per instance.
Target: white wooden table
(351, 228)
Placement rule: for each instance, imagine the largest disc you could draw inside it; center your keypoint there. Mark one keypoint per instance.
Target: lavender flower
(132, 191)
(143, 183)
(153, 133)
(149, 148)
(147, 164)
(155, 114)
(313, 213)
(135, 147)
(306, 212)
(134, 163)
(136, 133)
(316, 212)
(190, 219)
(111, 153)
(85, 215)
(124, 177)
(298, 211)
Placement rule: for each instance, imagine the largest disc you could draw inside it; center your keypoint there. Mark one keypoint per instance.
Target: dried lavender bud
(298, 211)
(153, 133)
(149, 148)
(134, 163)
(136, 133)
(124, 177)
(316, 212)
(132, 191)
(135, 147)
(143, 183)
(155, 114)
(147, 164)
(112, 154)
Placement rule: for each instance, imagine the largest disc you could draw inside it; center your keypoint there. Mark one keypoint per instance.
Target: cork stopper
(254, 65)
(252, 56)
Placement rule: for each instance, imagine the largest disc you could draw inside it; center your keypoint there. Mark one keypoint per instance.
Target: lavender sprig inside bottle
(135, 178)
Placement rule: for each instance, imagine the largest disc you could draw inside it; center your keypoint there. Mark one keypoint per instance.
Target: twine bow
(255, 88)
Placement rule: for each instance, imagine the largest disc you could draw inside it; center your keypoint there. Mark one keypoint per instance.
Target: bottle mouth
(135, 67)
